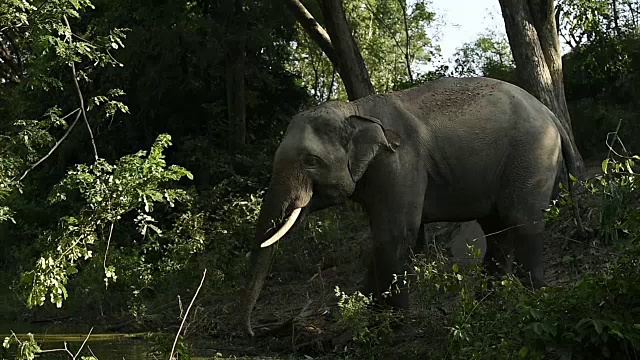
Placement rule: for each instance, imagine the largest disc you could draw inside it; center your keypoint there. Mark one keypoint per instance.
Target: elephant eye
(311, 161)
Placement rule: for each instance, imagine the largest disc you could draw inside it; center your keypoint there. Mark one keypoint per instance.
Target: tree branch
(80, 97)
(56, 144)
(83, 343)
(386, 26)
(407, 56)
(92, 44)
(106, 250)
(66, 349)
(313, 28)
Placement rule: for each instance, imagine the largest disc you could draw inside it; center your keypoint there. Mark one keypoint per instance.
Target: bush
(595, 317)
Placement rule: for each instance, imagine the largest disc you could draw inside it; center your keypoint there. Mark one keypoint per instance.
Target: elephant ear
(368, 140)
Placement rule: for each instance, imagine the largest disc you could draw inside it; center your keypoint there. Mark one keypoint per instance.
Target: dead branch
(106, 250)
(83, 343)
(499, 231)
(615, 137)
(66, 349)
(175, 341)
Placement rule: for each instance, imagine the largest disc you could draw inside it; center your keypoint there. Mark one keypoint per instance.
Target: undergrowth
(595, 316)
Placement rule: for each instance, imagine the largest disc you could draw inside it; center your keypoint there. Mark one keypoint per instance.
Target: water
(103, 346)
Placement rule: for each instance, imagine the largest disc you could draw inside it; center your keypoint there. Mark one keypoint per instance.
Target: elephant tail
(569, 158)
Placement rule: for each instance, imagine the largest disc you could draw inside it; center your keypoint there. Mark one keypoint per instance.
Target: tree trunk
(337, 43)
(407, 38)
(616, 21)
(235, 60)
(533, 37)
(351, 65)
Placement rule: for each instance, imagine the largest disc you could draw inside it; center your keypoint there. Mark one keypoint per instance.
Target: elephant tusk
(283, 230)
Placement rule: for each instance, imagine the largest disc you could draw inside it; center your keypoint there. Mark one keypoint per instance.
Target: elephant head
(325, 151)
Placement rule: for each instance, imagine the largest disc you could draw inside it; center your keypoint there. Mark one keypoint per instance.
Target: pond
(103, 346)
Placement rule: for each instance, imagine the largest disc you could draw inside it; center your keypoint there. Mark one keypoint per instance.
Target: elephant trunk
(259, 266)
(284, 199)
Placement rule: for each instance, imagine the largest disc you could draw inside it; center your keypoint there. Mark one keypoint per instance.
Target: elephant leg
(522, 238)
(387, 260)
(519, 237)
(392, 194)
(421, 241)
(529, 248)
(521, 205)
(498, 257)
(392, 235)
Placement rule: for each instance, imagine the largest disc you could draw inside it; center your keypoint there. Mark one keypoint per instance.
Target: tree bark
(235, 60)
(407, 37)
(532, 32)
(337, 43)
(351, 65)
(313, 29)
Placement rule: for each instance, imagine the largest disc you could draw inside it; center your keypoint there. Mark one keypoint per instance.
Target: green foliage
(136, 183)
(115, 219)
(588, 21)
(385, 40)
(5, 190)
(42, 48)
(598, 33)
(41, 38)
(617, 188)
(594, 317)
(26, 349)
(600, 71)
(21, 146)
(189, 99)
(489, 55)
(368, 328)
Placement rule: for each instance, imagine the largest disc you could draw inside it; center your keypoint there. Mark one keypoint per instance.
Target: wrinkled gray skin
(454, 149)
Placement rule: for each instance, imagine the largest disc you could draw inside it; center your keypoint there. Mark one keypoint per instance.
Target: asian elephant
(453, 149)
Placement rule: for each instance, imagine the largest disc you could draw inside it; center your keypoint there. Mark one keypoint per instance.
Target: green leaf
(605, 163)
(524, 351)
(537, 328)
(598, 326)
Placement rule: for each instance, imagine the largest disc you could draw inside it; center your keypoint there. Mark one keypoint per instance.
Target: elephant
(450, 150)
